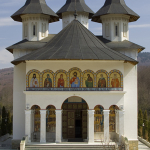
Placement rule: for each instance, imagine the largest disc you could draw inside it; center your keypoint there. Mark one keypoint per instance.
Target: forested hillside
(6, 84)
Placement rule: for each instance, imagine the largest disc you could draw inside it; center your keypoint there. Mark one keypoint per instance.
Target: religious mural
(47, 80)
(98, 119)
(34, 79)
(115, 80)
(75, 79)
(88, 80)
(50, 119)
(102, 80)
(112, 118)
(61, 80)
(37, 116)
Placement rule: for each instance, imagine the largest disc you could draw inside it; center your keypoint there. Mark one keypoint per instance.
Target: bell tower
(35, 16)
(115, 16)
(66, 13)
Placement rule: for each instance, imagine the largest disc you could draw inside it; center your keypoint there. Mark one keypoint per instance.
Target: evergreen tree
(9, 124)
(149, 130)
(4, 121)
(145, 128)
(140, 123)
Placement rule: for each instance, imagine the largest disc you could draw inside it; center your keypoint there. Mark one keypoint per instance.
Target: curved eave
(97, 18)
(23, 61)
(19, 19)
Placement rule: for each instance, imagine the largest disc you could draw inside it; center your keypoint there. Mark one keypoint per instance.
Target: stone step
(70, 147)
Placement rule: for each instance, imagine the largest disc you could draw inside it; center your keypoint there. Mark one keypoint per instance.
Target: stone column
(90, 126)
(28, 124)
(106, 126)
(117, 121)
(43, 126)
(58, 126)
(121, 124)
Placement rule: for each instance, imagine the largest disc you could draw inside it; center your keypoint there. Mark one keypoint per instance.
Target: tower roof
(75, 42)
(80, 7)
(35, 7)
(115, 7)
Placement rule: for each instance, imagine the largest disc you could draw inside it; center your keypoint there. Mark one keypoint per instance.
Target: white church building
(75, 86)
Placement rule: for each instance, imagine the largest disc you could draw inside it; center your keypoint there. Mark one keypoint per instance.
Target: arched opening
(74, 119)
(112, 118)
(50, 123)
(98, 122)
(35, 136)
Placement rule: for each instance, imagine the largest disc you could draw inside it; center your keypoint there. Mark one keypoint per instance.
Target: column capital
(58, 111)
(91, 111)
(121, 112)
(42, 111)
(27, 111)
(106, 112)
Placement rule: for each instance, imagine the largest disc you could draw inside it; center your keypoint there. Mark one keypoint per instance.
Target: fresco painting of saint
(115, 81)
(101, 82)
(48, 82)
(89, 81)
(61, 81)
(75, 81)
(34, 81)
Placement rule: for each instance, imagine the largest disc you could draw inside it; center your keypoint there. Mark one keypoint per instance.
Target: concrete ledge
(15, 143)
(144, 141)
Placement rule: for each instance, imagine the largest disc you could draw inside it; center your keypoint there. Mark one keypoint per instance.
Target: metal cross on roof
(75, 14)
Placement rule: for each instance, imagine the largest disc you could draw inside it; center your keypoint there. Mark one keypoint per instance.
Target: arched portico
(74, 119)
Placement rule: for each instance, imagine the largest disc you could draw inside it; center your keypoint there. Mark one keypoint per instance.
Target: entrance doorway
(74, 119)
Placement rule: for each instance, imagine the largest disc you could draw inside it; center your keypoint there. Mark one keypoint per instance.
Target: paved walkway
(143, 147)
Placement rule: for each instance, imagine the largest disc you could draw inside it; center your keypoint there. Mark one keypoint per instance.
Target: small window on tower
(107, 30)
(125, 30)
(34, 30)
(116, 30)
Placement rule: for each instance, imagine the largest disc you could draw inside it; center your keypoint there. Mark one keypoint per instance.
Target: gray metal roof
(30, 45)
(70, 7)
(35, 7)
(115, 7)
(75, 42)
(121, 45)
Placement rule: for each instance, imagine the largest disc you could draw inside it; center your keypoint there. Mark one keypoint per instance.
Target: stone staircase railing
(23, 143)
(144, 141)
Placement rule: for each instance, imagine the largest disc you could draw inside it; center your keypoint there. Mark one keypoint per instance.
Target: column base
(42, 141)
(58, 141)
(133, 145)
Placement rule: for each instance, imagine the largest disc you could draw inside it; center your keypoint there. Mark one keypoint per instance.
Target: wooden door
(71, 124)
(84, 124)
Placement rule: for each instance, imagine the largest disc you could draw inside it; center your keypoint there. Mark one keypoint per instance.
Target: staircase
(69, 147)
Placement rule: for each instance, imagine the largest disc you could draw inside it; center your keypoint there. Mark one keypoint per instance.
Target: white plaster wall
(36, 19)
(20, 52)
(130, 101)
(111, 20)
(19, 101)
(68, 17)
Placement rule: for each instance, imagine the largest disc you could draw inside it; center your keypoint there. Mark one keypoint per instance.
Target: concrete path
(143, 147)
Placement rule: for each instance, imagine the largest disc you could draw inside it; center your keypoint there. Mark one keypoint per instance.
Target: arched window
(34, 30)
(124, 29)
(107, 29)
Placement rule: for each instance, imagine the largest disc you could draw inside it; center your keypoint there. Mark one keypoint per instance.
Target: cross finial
(75, 14)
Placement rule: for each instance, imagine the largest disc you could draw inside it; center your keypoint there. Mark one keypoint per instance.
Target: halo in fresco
(34, 80)
(61, 80)
(75, 78)
(102, 80)
(88, 80)
(48, 80)
(115, 80)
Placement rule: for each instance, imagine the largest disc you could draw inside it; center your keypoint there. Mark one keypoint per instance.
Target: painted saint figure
(115, 81)
(75, 81)
(89, 81)
(61, 81)
(48, 82)
(101, 82)
(34, 81)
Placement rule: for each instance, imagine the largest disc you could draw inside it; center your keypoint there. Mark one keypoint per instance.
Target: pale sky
(11, 31)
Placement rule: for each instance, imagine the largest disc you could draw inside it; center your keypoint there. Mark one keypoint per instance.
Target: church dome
(75, 42)
(80, 7)
(115, 7)
(35, 7)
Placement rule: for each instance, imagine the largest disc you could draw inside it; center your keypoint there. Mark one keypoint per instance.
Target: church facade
(75, 86)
